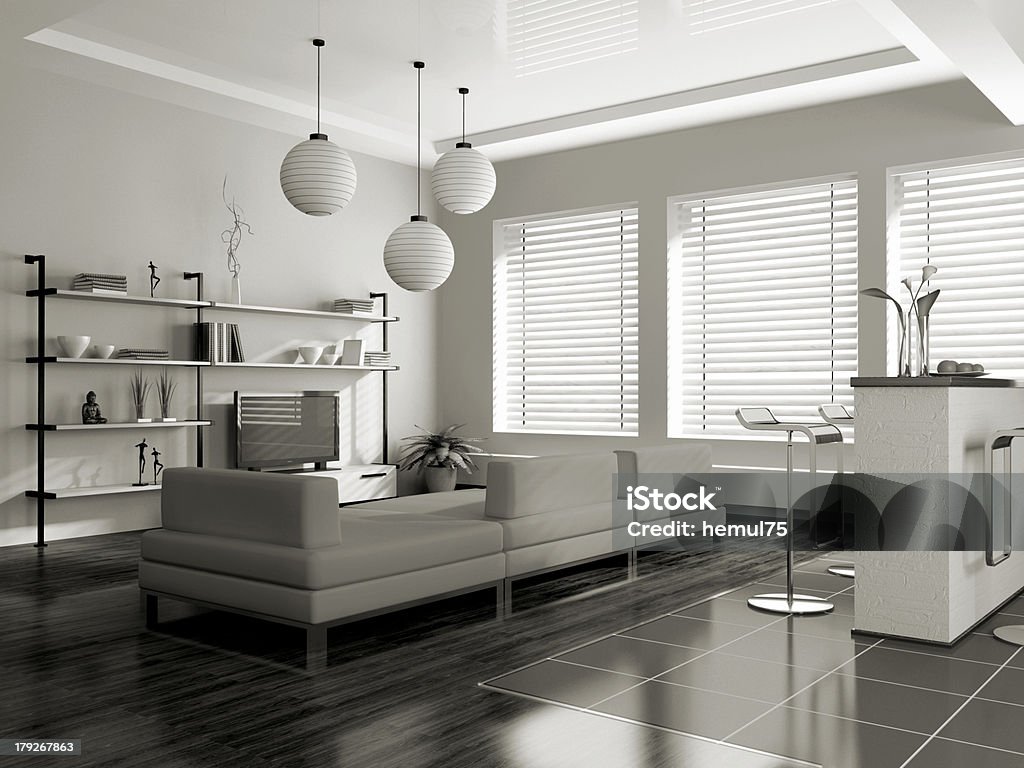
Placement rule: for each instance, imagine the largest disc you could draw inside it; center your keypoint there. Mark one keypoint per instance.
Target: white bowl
(329, 358)
(73, 346)
(310, 354)
(103, 351)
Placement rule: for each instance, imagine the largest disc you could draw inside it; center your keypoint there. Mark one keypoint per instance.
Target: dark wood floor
(211, 689)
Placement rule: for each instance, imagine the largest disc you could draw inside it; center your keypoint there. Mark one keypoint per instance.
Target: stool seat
(763, 420)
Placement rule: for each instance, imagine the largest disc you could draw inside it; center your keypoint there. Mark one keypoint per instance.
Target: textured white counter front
(935, 429)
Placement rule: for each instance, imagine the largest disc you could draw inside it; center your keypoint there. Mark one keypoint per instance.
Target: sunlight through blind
(762, 305)
(550, 34)
(967, 220)
(566, 324)
(711, 15)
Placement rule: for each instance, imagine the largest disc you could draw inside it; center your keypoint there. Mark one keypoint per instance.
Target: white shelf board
(95, 490)
(120, 425)
(60, 293)
(307, 366)
(366, 318)
(117, 361)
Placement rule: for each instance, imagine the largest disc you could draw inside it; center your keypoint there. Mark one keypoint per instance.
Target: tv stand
(361, 482)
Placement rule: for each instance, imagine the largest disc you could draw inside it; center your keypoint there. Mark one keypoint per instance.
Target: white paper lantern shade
(318, 177)
(418, 255)
(463, 180)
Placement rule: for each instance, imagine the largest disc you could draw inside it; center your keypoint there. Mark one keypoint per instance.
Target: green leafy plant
(439, 449)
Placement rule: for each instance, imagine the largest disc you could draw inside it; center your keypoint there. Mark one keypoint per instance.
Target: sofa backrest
(521, 487)
(290, 510)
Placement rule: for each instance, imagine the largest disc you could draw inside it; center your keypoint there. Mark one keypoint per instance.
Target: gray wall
(104, 181)
(863, 136)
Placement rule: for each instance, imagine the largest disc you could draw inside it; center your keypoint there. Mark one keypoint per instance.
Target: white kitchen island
(937, 425)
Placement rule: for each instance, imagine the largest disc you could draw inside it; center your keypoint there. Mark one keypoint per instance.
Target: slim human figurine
(91, 413)
(157, 466)
(142, 460)
(154, 281)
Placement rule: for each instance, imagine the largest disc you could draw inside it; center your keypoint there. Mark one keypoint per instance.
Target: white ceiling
(543, 74)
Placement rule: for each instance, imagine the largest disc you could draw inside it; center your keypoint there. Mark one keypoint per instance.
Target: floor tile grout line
(1000, 701)
(788, 698)
(901, 685)
(983, 746)
(957, 711)
(855, 720)
(942, 655)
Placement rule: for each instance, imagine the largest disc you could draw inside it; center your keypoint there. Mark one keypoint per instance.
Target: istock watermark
(642, 498)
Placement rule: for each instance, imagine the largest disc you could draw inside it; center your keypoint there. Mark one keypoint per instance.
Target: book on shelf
(352, 352)
(218, 343)
(136, 353)
(354, 306)
(95, 282)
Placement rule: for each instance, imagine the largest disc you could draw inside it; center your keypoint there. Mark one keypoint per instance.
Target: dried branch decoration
(232, 236)
(140, 387)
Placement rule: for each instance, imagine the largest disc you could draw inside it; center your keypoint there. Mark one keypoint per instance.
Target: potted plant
(140, 387)
(439, 455)
(165, 387)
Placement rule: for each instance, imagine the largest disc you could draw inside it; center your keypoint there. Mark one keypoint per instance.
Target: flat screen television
(285, 430)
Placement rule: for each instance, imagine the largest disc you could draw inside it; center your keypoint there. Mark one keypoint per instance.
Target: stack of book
(94, 282)
(377, 359)
(354, 306)
(218, 343)
(138, 353)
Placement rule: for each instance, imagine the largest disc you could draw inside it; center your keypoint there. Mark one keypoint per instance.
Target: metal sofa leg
(152, 610)
(506, 597)
(316, 647)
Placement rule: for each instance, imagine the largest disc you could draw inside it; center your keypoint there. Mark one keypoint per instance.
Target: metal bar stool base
(799, 605)
(1010, 634)
(846, 571)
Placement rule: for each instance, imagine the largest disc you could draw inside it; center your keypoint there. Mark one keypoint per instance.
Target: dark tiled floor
(802, 687)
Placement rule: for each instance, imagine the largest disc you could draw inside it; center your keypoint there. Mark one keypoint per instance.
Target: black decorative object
(157, 466)
(142, 461)
(154, 281)
(91, 413)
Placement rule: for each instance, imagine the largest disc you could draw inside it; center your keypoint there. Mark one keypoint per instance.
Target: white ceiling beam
(966, 32)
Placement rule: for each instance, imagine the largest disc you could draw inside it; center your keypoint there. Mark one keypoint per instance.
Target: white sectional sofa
(277, 546)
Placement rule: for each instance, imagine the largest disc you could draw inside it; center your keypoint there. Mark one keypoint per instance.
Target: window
(967, 220)
(565, 323)
(711, 15)
(762, 304)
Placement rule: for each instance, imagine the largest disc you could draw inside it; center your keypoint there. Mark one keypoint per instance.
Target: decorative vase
(236, 289)
(440, 479)
(903, 360)
(922, 344)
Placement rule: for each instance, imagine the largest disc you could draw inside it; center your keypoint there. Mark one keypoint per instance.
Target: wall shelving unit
(42, 294)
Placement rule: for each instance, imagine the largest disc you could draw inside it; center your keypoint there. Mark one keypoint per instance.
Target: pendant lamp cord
(463, 118)
(318, 89)
(419, 72)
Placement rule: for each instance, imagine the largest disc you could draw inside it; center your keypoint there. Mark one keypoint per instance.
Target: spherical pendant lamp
(317, 176)
(463, 180)
(418, 255)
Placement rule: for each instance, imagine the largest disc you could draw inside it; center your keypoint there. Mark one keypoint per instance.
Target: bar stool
(838, 416)
(762, 419)
(1002, 441)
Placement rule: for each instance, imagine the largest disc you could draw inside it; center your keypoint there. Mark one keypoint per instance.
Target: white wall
(864, 136)
(105, 181)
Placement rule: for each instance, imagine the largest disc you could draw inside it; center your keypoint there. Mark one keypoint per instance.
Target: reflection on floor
(800, 687)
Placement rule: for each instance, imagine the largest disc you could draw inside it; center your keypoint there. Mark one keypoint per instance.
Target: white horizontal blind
(711, 15)
(550, 34)
(566, 324)
(967, 220)
(762, 305)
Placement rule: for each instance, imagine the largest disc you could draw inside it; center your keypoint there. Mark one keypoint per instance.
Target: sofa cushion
(372, 548)
(291, 510)
(557, 525)
(548, 483)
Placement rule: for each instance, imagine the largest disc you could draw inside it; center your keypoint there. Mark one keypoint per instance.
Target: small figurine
(142, 460)
(91, 413)
(157, 466)
(154, 281)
